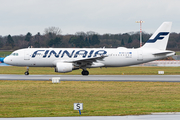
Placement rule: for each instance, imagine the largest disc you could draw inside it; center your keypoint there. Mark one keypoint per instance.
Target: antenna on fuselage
(30, 47)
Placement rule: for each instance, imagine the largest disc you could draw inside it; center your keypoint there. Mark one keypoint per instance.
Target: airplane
(1, 60)
(68, 59)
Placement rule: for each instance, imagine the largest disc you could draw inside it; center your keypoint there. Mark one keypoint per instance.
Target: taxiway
(123, 78)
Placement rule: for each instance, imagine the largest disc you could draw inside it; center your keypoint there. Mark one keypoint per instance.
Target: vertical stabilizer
(160, 38)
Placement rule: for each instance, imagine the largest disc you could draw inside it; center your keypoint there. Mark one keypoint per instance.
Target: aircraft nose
(6, 60)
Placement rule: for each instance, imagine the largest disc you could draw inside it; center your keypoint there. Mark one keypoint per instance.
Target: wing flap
(87, 60)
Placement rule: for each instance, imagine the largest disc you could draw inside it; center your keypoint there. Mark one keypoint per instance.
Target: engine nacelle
(64, 67)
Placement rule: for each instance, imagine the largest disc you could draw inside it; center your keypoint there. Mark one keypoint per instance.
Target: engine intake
(64, 67)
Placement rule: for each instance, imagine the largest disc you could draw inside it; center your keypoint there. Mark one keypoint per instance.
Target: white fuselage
(68, 59)
(114, 57)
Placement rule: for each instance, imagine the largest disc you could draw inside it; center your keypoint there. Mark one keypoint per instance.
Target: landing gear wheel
(26, 73)
(85, 72)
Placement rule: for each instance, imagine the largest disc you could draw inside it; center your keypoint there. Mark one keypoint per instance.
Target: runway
(122, 78)
(154, 116)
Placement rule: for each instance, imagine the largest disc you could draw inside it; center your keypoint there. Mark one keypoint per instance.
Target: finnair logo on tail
(159, 36)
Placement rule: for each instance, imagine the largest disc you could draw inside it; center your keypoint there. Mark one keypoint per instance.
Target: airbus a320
(68, 59)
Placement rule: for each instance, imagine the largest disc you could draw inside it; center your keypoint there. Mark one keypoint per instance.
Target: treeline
(53, 38)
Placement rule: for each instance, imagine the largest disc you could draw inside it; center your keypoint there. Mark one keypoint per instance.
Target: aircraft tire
(85, 72)
(26, 73)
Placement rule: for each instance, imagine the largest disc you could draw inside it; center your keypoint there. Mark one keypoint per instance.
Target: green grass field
(5, 53)
(42, 98)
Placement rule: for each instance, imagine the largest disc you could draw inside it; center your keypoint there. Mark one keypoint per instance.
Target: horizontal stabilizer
(164, 53)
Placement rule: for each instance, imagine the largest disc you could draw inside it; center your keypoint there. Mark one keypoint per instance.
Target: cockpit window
(14, 54)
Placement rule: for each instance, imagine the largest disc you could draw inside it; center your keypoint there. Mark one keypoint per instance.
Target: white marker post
(160, 72)
(56, 80)
(78, 106)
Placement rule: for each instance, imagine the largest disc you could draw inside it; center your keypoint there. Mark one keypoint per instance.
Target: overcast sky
(71, 16)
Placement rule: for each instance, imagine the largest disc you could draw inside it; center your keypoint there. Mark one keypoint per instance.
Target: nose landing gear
(27, 71)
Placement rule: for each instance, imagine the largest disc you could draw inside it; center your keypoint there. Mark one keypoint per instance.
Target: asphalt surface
(156, 116)
(123, 78)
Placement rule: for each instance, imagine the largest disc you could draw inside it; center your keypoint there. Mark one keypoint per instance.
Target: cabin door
(140, 55)
(27, 55)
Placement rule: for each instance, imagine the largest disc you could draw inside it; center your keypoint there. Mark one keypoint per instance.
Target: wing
(94, 59)
(88, 62)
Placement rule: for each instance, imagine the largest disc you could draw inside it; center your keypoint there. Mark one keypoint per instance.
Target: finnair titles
(68, 59)
(72, 54)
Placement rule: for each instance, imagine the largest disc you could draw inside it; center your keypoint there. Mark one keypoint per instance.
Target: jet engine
(64, 67)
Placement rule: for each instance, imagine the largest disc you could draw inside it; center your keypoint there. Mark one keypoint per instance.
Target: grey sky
(71, 16)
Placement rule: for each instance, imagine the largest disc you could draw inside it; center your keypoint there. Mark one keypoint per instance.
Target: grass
(44, 99)
(177, 52)
(5, 53)
(94, 71)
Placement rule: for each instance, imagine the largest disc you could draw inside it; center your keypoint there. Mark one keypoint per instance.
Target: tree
(122, 42)
(78, 41)
(130, 39)
(53, 30)
(81, 42)
(37, 40)
(86, 42)
(1, 44)
(80, 34)
(54, 42)
(36, 44)
(28, 37)
(89, 33)
(10, 41)
(57, 41)
(95, 40)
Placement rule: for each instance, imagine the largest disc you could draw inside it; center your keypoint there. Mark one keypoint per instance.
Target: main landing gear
(85, 72)
(27, 71)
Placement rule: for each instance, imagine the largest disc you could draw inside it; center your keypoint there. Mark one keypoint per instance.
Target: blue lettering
(90, 54)
(55, 54)
(67, 53)
(35, 53)
(100, 52)
(81, 52)
(45, 54)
